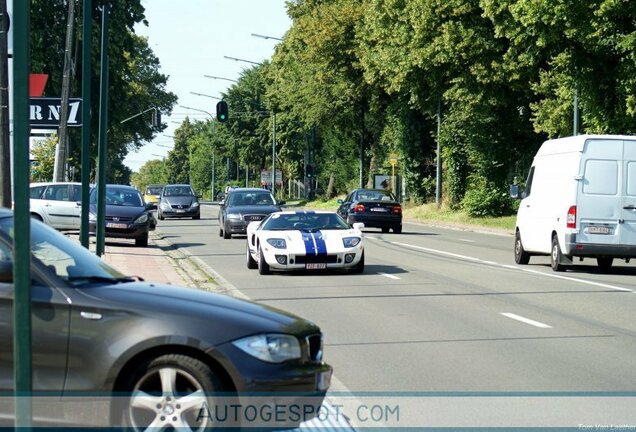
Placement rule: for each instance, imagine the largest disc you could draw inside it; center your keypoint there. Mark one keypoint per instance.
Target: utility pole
(5, 150)
(62, 143)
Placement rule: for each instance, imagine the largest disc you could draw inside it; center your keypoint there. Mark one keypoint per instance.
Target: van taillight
(359, 208)
(571, 220)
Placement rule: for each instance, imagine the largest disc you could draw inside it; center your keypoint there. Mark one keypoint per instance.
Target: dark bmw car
(245, 205)
(178, 201)
(149, 356)
(376, 208)
(127, 215)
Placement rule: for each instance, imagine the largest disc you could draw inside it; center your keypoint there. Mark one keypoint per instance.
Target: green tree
(152, 172)
(43, 156)
(135, 81)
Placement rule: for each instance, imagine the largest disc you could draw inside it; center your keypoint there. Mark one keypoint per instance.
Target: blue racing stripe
(321, 246)
(309, 243)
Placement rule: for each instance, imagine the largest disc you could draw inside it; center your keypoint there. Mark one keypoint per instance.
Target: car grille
(180, 206)
(314, 346)
(118, 219)
(254, 217)
(316, 259)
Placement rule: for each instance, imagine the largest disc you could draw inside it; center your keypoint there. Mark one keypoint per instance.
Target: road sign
(45, 112)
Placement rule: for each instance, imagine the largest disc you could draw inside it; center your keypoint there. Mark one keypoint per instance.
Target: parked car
(57, 204)
(376, 208)
(152, 194)
(579, 201)
(242, 206)
(127, 215)
(301, 240)
(164, 350)
(178, 201)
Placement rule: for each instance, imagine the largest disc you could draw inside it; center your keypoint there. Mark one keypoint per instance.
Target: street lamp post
(220, 78)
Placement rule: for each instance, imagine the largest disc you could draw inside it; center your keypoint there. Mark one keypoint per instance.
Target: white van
(579, 201)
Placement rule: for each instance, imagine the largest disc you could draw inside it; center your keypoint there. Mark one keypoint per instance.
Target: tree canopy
(354, 81)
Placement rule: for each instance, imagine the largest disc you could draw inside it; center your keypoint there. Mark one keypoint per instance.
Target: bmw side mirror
(280, 203)
(358, 225)
(6, 271)
(340, 201)
(150, 206)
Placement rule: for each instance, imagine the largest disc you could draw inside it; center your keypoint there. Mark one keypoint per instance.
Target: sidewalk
(158, 262)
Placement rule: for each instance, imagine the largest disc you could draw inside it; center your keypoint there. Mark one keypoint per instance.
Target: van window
(526, 192)
(600, 177)
(631, 179)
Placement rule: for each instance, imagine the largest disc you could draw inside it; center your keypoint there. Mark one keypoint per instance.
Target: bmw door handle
(630, 207)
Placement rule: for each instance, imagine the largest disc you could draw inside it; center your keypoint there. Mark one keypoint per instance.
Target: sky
(191, 38)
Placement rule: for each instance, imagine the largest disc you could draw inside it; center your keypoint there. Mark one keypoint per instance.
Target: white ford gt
(304, 240)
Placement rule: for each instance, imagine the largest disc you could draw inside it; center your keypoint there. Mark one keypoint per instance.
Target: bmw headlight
(272, 348)
(350, 242)
(234, 216)
(142, 219)
(164, 205)
(195, 204)
(277, 243)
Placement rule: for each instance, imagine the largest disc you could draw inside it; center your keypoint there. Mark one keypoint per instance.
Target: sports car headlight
(272, 348)
(142, 219)
(350, 242)
(278, 243)
(234, 216)
(165, 205)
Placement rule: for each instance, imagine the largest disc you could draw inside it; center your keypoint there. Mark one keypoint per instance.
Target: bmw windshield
(62, 256)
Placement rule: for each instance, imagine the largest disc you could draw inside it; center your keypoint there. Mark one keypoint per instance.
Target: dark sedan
(245, 205)
(127, 215)
(167, 352)
(376, 208)
(178, 201)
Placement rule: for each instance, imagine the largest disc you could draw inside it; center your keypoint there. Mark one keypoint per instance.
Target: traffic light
(156, 118)
(221, 111)
(310, 171)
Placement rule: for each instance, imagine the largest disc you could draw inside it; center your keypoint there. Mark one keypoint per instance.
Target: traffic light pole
(86, 115)
(274, 154)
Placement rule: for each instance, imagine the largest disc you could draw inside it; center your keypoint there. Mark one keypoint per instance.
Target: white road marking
(525, 320)
(468, 241)
(390, 276)
(511, 267)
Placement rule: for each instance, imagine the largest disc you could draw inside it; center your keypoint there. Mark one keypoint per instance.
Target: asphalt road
(443, 310)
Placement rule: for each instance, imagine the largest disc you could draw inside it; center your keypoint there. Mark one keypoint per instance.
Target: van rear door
(628, 204)
(599, 205)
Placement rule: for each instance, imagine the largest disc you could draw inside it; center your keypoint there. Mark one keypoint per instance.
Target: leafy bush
(487, 201)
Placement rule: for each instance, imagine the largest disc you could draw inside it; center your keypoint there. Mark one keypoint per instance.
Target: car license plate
(379, 209)
(180, 211)
(598, 230)
(116, 225)
(315, 266)
(323, 381)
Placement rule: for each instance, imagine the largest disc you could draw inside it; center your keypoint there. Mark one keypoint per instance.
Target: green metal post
(21, 218)
(102, 158)
(86, 116)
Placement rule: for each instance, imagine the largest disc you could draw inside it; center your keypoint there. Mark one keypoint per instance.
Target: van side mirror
(6, 271)
(515, 191)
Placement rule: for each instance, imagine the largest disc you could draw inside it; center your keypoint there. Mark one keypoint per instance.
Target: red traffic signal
(221, 111)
